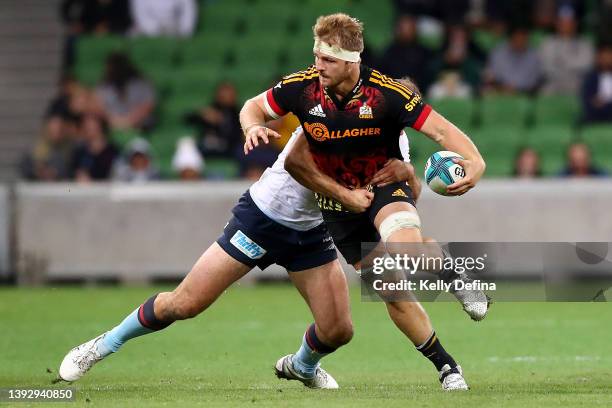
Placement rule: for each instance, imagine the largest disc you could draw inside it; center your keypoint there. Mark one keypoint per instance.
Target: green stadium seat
(486, 39)
(91, 53)
(122, 137)
(551, 143)
(499, 165)
(221, 169)
(556, 110)
(599, 139)
(223, 17)
(145, 51)
(504, 110)
(211, 49)
(377, 20)
(459, 111)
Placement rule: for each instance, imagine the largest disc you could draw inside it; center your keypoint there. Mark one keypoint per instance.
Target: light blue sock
(129, 328)
(306, 360)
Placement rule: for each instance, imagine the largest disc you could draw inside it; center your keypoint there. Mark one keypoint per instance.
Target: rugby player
(276, 221)
(351, 116)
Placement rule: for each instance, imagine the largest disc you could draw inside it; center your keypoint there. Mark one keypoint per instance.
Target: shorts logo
(247, 246)
(399, 193)
(365, 112)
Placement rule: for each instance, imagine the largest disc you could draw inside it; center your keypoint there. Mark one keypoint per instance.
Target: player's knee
(400, 226)
(184, 307)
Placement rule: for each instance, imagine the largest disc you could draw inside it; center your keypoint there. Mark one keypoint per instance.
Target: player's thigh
(212, 273)
(326, 292)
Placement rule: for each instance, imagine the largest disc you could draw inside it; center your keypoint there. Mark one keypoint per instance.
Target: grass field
(524, 354)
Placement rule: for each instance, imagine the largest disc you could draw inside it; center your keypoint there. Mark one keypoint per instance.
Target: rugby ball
(441, 171)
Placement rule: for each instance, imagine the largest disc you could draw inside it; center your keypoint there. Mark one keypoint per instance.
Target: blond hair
(340, 29)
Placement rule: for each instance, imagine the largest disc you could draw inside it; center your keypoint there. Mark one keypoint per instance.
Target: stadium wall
(4, 231)
(139, 232)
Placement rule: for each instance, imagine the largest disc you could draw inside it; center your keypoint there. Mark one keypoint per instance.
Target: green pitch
(523, 354)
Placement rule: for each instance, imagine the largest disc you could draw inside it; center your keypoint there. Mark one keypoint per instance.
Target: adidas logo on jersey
(399, 193)
(317, 111)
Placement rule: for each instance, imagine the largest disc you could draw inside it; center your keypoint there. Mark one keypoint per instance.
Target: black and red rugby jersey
(351, 139)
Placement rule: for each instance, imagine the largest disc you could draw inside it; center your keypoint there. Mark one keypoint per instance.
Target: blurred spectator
(444, 10)
(72, 102)
(579, 162)
(94, 158)
(405, 56)
(187, 160)
(220, 134)
(514, 66)
(527, 163)
(565, 57)
(136, 163)
(604, 25)
(502, 14)
(126, 98)
(50, 159)
(597, 88)
(164, 17)
(95, 16)
(450, 85)
(460, 54)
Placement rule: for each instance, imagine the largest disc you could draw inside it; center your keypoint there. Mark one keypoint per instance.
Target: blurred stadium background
(109, 107)
(96, 188)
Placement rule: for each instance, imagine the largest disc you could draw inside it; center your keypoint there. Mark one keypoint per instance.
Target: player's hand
(254, 134)
(393, 171)
(474, 169)
(358, 200)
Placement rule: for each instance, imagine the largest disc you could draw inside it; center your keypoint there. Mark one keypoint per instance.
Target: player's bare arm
(253, 118)
(443, 132)
(302, 167)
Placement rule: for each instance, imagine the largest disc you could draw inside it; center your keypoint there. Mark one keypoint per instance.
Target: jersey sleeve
(411, 110)
(283, 97)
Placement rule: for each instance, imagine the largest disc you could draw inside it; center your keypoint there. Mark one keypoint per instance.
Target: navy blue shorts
(254, 239)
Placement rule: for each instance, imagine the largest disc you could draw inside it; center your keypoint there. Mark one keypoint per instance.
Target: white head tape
(335, 51)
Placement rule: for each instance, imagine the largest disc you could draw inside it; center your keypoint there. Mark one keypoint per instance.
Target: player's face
(332, 71)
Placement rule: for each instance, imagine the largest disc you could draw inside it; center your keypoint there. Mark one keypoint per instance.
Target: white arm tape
(398, 221)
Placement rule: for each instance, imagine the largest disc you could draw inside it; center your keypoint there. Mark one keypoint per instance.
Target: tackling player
(264, 230)
(351, 116)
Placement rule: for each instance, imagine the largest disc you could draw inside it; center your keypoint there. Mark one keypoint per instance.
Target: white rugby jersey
(283, 199)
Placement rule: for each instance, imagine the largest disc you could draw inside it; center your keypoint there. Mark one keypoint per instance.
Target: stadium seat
(486, 39)
(211, 49)
(121, 137)
(91, 53)
(509, 111)
(459, 111)
(556, 110)
(599, 139)
(378, 21)
(221, 169)
(551, 143)
(223, 17)
(146, 52)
